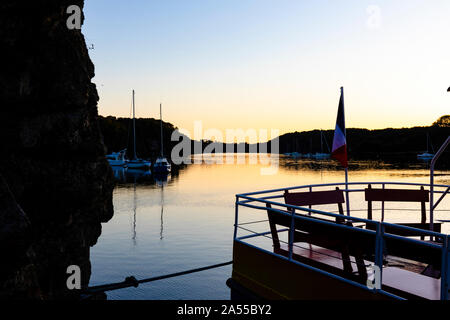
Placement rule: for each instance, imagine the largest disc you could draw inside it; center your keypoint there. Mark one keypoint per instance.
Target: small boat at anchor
(427, 155)
(321, 155)
(161, 165)
(294, 155)
(137, 163)
(117, 159)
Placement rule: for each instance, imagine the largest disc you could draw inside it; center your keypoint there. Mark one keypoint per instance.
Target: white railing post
(236, 220)
(445, 269)
(379, 251)
(310, 190)
(433, 162)
(291, 235)
(382, 207)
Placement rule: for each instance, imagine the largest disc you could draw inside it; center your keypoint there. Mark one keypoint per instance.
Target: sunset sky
(274, 64)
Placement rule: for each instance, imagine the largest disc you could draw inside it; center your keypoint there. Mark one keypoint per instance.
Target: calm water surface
(186, 221)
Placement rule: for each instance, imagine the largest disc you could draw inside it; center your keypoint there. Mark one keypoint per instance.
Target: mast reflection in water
(185, 220)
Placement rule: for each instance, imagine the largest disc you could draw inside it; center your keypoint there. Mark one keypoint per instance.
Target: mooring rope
(133, 282)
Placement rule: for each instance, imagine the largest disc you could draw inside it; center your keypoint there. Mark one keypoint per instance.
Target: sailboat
(322, 155)
(137, 163)
(161, 164)
(427, 155)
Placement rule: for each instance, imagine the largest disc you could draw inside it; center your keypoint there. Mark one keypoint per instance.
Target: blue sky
(272, 64)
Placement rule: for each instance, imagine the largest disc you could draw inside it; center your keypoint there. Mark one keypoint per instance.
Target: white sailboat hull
(162, 165)
(425, 156)
(321, 156)
(162, 169)
(117, 163)
(138, 164)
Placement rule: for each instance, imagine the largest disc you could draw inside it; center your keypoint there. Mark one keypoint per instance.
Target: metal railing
(432, 165)
(260, 200)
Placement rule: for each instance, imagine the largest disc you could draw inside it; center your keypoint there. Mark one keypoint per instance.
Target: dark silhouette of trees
(380, 144)
(118, 135)
(443, 121)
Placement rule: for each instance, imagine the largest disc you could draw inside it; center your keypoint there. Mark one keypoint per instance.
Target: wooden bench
(333, 248)
(401, 195)
(403, 249)
(338, 243)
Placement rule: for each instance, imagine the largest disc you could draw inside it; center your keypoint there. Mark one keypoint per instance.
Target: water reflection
(161, 180)
(119, 173)
(137, 177)
(162, 213)
(127, 176)
(284, 163)
(134, 214)
(289, 163)
(186, 219)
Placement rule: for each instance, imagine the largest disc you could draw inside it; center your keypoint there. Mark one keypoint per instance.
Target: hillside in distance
(363, 144)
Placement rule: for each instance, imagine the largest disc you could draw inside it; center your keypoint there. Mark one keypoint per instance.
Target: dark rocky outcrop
(17, 273)
(56, 186)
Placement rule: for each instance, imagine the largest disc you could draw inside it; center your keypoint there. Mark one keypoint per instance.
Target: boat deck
(402, 278)
(324, 255)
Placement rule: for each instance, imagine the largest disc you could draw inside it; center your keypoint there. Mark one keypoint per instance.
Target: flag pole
(346, 192)
(339, 150)
(346, 168)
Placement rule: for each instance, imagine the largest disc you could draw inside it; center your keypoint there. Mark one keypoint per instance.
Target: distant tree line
(371, 144)
(443, 121)
(382, 144)
(118, 135)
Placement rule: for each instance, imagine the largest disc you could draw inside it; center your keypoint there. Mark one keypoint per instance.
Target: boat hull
(161, 169)
(268, 276)
(321, 156)
(139, 164)
(425, 156)
(117, 163)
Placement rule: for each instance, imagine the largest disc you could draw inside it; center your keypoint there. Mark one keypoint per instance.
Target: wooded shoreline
(363, 144)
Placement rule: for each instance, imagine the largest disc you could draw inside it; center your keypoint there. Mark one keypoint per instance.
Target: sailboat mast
(134, 131)
(160, 119)
(321, 141)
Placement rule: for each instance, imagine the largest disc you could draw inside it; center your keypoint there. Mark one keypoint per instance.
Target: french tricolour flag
(339, 151)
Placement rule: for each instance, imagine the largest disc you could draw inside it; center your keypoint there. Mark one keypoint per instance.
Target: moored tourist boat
(309, 242)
